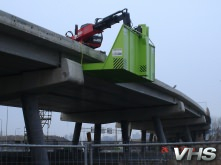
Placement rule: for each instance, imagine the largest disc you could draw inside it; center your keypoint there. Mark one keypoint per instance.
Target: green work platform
(132, 58)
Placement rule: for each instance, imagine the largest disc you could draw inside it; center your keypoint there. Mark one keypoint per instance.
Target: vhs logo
(206, 154)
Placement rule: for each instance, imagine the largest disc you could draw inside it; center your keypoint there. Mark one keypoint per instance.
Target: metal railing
(105, 154)
(149, 153)
(20, 154)
(126, 154)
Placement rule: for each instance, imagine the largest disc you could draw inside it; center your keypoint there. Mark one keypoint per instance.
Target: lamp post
(6, 131)
(1, 127)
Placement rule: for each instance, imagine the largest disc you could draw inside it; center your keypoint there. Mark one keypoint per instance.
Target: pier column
(125, 138)
(77, 133)
(143, 139)
(177, 137)
(97, 133)
(125, 131)
(159, 129)
(143, 136)
(34, 129)
(188, 134)
(151, 138)
(194, 136)
(97, 136)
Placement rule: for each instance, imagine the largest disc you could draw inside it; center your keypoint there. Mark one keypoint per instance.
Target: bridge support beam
(77, 133)
(34, 129)
(159, 129)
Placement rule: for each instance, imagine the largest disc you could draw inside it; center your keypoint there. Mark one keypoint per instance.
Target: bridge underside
(85, 99)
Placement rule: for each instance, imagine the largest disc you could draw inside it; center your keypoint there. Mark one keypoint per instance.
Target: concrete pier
(77, 133)
(97, 133)
(34, 129)
(159, 129)
(188, 134)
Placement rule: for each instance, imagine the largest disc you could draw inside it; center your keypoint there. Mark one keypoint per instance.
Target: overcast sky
(186, 33)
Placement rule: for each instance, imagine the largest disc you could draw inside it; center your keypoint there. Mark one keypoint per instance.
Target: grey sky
(186, 34)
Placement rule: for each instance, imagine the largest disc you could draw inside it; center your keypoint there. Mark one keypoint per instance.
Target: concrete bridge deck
(36, 61)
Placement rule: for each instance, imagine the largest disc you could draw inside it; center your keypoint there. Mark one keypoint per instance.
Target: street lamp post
(6, 131)
(1, 127)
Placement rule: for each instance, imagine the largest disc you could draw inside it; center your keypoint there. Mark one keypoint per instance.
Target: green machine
(131, 58)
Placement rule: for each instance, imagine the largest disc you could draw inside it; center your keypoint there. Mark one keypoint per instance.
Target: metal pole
(6, 132)
(116, 133)
(85, 154)
(1, 127)
(91, 155)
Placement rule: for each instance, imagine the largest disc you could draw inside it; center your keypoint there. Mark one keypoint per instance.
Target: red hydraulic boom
(91, 34)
